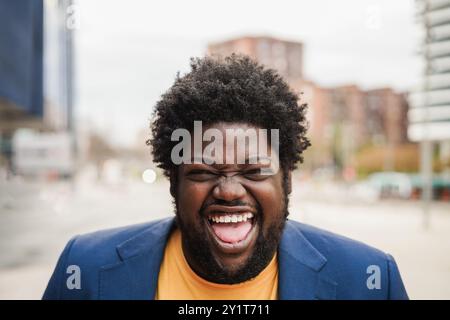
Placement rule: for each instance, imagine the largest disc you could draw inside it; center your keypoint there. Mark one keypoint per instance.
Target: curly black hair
(230, 89)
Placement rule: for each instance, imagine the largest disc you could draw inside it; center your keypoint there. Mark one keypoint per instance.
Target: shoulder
(333, 245)
(91, 252)
(103, 244)
(359, 270)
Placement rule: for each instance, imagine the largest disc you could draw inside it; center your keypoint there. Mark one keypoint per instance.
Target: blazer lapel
(299, 265)
(136, 276)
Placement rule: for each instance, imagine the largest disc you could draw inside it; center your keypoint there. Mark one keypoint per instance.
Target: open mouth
(233, 232)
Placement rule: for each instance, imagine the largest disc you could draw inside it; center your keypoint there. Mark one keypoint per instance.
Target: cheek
(191, 197)
(271, 198)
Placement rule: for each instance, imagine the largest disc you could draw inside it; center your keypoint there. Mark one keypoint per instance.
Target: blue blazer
(124, 263)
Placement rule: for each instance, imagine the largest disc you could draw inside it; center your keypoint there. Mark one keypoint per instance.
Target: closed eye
(254, 174)
(201, 175)
(199, 171)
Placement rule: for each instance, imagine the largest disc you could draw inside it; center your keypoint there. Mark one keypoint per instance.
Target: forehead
(232, 143)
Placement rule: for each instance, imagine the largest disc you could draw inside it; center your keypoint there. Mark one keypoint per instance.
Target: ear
(289, 182)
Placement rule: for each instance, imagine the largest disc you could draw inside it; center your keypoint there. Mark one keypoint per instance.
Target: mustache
(233, 203)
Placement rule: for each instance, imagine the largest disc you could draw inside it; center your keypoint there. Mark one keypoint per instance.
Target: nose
(228, 189)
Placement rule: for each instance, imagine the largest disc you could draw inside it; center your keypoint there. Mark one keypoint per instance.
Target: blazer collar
(136, 275)
(299, 265)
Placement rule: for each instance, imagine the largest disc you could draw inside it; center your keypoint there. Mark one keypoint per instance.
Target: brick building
(284, 56)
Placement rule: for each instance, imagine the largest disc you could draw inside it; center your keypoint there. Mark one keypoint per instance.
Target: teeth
(230, 218)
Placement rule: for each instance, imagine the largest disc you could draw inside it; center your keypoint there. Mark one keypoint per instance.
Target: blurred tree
(405, 158)
(99, 151)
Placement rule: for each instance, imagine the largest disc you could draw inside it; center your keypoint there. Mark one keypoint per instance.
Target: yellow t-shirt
(177, 281)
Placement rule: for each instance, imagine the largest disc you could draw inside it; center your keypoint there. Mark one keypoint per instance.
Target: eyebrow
(264, 158)
(248, 160)
(200, 160)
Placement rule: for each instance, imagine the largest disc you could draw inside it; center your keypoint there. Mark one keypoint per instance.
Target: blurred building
(429, 117)
(430, 112)
(59, 75)
(284, 56)
(36, 75)
(387, 117)
(21, 69)
(343, 120)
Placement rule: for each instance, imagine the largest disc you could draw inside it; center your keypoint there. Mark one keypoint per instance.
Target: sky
(129, 51)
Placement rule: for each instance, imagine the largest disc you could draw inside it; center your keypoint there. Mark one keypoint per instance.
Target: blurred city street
(79, 89)
(37, 219)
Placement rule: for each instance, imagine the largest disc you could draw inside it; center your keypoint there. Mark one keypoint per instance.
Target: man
(231, 237)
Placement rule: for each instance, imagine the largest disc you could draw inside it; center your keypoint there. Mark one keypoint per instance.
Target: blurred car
(382, 185)
(440, 187)
(391, 185)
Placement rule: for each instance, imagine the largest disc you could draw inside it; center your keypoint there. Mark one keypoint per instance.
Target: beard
(199, 248)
